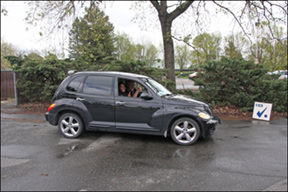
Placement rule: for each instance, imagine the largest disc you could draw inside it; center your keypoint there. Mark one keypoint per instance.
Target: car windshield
(157, 87)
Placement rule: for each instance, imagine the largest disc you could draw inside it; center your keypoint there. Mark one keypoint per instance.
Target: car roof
(112, 73)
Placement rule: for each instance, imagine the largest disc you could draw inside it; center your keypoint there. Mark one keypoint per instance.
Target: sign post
(262, 111)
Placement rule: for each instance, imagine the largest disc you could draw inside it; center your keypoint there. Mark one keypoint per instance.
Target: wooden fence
(7, 84)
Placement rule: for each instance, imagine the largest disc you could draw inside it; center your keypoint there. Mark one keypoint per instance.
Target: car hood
(188, 102)
(184, 100)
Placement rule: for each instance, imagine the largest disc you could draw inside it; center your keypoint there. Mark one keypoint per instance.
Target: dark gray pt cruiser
(127, 103)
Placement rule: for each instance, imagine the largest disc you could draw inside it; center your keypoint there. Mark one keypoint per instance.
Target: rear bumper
(46, 116)
(51, 118)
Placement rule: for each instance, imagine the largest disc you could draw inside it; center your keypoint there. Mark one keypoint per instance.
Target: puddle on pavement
(68, 150)
(181, 153)
(67, 146)
(102, 142)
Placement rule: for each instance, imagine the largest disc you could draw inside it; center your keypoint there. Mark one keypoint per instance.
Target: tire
(70, 125)
(185, 131)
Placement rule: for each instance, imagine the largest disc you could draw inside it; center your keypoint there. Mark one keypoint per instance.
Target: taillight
(51, 107)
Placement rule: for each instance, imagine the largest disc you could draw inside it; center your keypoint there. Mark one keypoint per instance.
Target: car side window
(131, 88)
(74, 84)
(98, 85)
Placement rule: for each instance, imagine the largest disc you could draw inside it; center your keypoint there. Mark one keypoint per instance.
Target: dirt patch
(224, 112)
(234, 113)
(9, 107)
(34, 108)
(27, 120)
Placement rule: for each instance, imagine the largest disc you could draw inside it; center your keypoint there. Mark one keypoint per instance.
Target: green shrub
(39, 79)
(240, 83)
(272, 91)
(192, 93)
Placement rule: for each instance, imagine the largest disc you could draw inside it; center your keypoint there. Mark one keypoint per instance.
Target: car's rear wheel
(185, 131)
(70, 125)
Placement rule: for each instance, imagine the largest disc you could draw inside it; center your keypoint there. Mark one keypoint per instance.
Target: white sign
(262, 111)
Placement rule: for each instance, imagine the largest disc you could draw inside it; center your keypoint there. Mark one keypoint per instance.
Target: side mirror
(145, 96)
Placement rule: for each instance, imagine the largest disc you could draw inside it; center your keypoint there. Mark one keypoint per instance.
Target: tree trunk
(166, 20)
(168, 49)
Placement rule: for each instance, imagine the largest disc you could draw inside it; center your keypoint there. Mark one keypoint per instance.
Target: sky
(13, 27)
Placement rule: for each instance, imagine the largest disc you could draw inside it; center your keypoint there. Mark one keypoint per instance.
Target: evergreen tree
(92, 37)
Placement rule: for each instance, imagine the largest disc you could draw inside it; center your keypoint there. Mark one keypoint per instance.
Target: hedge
(240, 83)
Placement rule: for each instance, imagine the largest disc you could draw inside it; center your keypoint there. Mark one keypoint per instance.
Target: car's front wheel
(185, 131)
(70, 125)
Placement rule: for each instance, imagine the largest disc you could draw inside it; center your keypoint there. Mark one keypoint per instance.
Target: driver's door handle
(120, 102)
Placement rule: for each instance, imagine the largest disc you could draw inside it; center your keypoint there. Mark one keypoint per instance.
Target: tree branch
(272, 4)
(269, 24)
(185, 43)
(179, 10)
(155, 4)
(240, 24)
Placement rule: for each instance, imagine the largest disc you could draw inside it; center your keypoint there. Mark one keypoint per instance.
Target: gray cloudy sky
(13, 27)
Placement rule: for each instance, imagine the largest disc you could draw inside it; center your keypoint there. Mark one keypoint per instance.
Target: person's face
(131, 85)
(122, 88)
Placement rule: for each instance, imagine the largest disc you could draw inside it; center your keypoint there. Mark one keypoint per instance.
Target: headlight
(204, 115)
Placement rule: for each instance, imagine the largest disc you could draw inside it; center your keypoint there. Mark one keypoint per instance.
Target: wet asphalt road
(242, 155)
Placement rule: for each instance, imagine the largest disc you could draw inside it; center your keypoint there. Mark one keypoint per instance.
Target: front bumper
(210, 126)
(216, 120)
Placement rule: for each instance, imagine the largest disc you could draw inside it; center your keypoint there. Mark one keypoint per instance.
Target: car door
(138, 114)
(97, 96)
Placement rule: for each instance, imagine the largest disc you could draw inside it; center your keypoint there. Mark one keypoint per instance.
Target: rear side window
(98, 85)
(74, 84)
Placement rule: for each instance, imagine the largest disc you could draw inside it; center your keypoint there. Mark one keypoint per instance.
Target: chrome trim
(212, 121)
